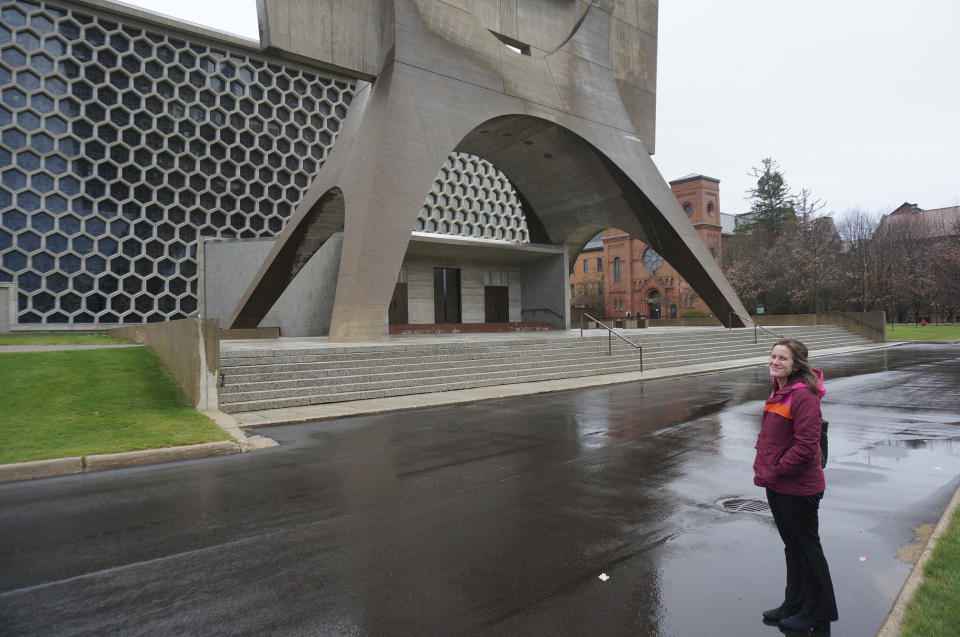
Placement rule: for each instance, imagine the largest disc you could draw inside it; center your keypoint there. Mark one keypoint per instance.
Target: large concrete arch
(564, 124)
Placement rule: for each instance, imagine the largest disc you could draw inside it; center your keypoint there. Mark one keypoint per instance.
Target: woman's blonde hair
(799, 353)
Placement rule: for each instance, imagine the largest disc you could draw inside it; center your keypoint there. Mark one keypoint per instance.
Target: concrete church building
(366, 163)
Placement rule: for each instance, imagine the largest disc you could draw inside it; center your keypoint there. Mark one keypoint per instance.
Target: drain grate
(740, 505)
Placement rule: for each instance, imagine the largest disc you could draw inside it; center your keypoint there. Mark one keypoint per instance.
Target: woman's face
(781, 362)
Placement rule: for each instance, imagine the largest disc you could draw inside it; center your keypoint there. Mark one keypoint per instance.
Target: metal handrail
(611, 333)
(748, 320)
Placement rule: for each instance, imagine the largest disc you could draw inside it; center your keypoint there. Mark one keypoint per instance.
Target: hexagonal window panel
(107, 284)
(143, 303)
(95, 303)
(14, 97)
(82, 283)
(143, 266)
(120, 303)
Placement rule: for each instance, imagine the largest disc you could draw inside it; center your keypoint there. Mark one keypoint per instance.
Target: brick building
(586, 282)
(629, 278)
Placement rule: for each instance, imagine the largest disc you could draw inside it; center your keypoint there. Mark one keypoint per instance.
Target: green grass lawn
(80, 402)
(913, 332)
(61, 338)
(935, 609)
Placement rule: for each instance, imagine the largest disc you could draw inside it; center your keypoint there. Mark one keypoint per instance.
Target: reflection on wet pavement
(494, 518)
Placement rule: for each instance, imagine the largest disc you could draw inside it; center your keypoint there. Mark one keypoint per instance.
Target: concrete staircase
(271, 377)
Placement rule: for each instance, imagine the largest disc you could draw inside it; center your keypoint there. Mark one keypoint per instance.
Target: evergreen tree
(771, 203)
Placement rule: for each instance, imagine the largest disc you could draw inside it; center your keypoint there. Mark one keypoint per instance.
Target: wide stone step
(290, 386)
(413, 363)
(464, 351)
(416, 364)
(361, 394)
(305, 376)
(278, 389)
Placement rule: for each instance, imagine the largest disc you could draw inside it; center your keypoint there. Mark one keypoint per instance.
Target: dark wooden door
(446, 295)
(398, 305)
(496, 300)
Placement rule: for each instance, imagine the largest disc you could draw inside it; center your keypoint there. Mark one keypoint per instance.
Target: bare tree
(856, 229)
(908, 274)
(945, 256)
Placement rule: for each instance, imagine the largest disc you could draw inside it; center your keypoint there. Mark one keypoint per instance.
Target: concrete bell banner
(558, 96)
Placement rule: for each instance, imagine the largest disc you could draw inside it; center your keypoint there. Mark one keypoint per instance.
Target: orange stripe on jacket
(778, 408)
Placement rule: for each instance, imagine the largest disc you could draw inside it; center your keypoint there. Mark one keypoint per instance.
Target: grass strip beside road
(61, 338)
(914, 332)
(82, 402)
(934, 610)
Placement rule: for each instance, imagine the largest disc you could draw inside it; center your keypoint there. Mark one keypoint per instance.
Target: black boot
(801, 623)
(782, 611)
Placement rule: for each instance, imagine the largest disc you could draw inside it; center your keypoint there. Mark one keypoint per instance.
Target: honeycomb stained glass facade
(123, 144)
(471, 198)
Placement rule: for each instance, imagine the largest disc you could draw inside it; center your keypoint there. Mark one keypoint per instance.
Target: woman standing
(788, 465)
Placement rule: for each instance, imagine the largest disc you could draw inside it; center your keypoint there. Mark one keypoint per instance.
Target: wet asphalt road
(494, 518)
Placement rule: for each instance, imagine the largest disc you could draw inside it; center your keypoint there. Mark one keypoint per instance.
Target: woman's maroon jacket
(788, 447)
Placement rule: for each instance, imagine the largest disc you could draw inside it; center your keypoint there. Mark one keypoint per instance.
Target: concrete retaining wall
(190, 348)
(7, 316)
(871, 325)
(304, 309)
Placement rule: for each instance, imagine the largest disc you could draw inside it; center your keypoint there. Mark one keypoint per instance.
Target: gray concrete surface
(494, 518)
(227, 266)
(566, 115)
(15, 471)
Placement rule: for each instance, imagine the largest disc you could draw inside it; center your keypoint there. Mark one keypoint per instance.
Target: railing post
(609, 342)
(754, 333)
(581, 325)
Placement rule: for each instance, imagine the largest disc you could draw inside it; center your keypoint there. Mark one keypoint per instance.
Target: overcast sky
(857, 100)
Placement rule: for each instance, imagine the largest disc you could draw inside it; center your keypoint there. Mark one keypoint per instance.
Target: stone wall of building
(419, 274)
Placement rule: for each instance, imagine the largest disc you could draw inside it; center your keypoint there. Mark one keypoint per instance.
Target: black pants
(809, 586)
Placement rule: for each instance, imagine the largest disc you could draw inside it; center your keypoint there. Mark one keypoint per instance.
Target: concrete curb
(893, 624)
(101, 461)
(18, 471)
(40, 469)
